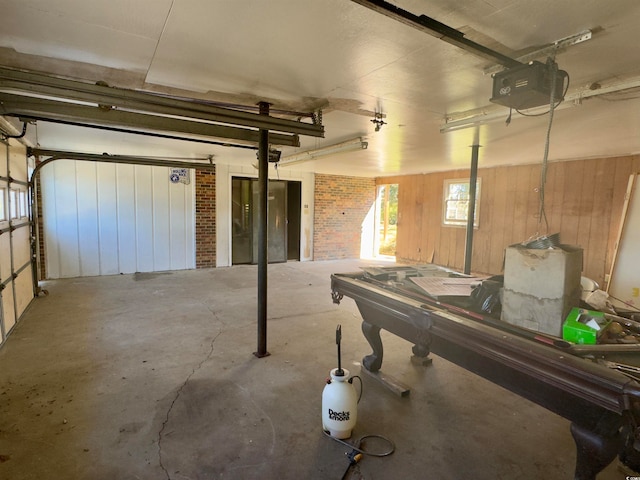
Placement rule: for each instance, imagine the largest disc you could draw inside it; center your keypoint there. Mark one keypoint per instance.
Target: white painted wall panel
(115, 219)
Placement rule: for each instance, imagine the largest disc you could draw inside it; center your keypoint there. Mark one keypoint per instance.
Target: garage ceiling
(348, 61)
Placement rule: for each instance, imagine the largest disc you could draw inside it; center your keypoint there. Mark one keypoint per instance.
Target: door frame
(224, 176)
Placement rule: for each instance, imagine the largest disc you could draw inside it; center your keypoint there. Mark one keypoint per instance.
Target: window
(23, 203)
(3, 203)
(456, 202)
(13, 203)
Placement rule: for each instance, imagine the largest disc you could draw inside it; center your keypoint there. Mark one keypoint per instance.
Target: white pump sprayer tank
(339, 405)
(339, 400)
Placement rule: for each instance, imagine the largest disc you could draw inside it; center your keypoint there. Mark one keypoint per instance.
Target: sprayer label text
(338, 416)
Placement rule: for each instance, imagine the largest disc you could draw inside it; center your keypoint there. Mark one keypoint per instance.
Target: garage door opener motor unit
(528, 86)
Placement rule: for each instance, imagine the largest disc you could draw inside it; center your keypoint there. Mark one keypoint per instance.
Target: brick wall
(205, 219)
(341, 205)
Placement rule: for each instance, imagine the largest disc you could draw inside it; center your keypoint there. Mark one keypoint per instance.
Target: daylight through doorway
(387, 220)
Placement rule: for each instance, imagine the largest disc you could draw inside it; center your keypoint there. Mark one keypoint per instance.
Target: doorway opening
(283, 212)
(386, 220)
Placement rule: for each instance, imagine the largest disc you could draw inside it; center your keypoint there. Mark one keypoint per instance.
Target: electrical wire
(542, 215)
(20, 135)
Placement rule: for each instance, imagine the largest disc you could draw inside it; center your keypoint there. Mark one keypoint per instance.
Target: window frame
(3, 205)
(14, 207)
(23, 210)
(446, 199)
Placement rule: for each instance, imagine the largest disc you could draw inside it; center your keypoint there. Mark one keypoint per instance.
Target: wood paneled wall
(583, 203)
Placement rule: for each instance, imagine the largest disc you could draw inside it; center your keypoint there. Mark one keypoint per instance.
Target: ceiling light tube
(474, 121)
(352, 145)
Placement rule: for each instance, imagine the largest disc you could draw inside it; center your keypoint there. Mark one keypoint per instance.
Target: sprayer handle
(338, 334)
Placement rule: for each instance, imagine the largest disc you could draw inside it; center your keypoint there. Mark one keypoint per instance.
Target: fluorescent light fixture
(348, 146)
(474, 121)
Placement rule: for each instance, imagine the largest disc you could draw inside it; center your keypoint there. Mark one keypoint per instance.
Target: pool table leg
(594, 451)
(372, 362)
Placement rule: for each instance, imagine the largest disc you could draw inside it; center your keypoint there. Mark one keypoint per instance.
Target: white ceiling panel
(280, 49)
(124, 35)
(351, 62)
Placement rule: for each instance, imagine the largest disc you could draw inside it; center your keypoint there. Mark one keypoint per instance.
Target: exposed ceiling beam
(437, 29)
(89, 115)
(29, 83)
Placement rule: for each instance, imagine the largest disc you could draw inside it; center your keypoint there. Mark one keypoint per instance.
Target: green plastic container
(576, 328)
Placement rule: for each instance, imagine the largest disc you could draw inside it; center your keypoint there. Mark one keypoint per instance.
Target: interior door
(242, 219)
(244, 241)
(277, 222)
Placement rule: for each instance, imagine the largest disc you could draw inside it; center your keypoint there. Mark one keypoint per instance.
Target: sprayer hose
(357, 448)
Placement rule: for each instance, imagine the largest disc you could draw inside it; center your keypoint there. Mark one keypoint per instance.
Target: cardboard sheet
(446, 286)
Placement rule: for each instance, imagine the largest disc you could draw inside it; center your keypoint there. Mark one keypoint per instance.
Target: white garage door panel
(179, 228)
(5, 257)
(66, 222)
(161, 243)
(88, 238)
(18, 162)
(21, 247)
(15, 253)
(8, 309)
(105, 219)
(24, 290)
(126, 218)
(144, 219)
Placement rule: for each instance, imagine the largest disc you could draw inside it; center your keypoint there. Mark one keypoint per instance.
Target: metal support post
(471, 213)
(263, 197)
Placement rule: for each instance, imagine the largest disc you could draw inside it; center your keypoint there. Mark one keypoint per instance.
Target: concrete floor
(152, 376)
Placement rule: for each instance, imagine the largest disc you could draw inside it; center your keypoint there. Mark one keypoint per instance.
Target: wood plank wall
(583, 203)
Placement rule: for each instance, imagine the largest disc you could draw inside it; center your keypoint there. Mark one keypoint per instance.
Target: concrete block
(541, 286)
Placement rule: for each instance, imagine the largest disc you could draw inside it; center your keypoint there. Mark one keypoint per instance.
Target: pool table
(602, 404)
